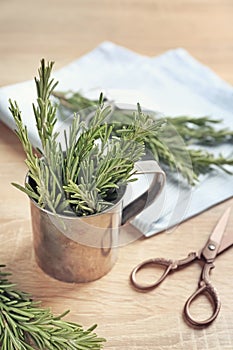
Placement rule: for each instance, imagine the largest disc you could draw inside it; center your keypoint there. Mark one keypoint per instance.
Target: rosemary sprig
(78, 148)
(201, 130)
(45, 112)
(80, 175)
(106, 166)
(32, 160)
(24, 325)
(171, 149)
(167, 148)
(70, 100)
(203, 160)
(45, 185)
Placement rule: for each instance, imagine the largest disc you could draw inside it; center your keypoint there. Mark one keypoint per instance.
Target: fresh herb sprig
(45, 173)
(175, 147)
(166, 147)
(202, 161)
(70, 100)
(201, 130)
(45, 111)
(25, 325)
(80, 175)
(106, 166)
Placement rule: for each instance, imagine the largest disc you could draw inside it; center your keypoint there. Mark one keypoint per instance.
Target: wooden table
(62, 31)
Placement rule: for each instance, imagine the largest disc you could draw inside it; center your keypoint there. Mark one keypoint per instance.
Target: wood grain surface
(62, 31)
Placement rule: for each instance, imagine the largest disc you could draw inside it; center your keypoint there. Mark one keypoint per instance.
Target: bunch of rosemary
(83, 174)
(24, 325)
(173, 145)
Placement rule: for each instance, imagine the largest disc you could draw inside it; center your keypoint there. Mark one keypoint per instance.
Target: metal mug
(83, 249)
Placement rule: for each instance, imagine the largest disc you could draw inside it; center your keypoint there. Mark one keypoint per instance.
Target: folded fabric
(173, 83)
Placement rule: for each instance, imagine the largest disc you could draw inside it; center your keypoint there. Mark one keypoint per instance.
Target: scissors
(216, 244)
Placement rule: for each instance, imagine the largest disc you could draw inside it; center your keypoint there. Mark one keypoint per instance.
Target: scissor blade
(218, 236)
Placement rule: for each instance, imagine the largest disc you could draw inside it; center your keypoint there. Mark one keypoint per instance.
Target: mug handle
(150, 195)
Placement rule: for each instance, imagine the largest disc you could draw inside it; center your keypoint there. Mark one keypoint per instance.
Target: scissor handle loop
(205, 287)
(169, 264)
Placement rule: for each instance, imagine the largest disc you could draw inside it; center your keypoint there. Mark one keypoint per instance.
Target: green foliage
(180, 146)
(24, 325)
(201, 130)
(69, 100)
(44, 111)
(173, 145)
(82, 175)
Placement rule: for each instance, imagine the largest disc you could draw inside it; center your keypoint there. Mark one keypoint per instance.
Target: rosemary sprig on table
(24, 325)
(166, 147)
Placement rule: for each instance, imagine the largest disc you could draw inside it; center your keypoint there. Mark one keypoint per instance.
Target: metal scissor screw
(211, 247)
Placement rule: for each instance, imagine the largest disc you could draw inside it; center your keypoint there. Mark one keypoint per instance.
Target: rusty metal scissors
(217, 243)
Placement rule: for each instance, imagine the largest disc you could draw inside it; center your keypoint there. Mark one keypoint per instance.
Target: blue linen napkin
(173, 83)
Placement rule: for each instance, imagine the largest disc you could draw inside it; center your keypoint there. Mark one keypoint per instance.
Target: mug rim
(118, 200)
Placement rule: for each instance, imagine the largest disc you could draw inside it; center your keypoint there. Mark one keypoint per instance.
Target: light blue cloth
(173, 83)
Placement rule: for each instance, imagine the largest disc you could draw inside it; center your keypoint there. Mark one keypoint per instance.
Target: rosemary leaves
(80, 176)
(24, 325)
(200, 131)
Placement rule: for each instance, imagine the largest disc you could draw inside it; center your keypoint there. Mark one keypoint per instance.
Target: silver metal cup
(83, 249)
